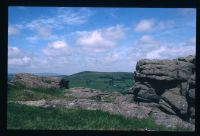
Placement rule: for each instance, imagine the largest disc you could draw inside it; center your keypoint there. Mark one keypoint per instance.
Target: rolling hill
(105, 81)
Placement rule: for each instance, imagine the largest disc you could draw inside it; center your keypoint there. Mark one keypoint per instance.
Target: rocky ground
(115, 103)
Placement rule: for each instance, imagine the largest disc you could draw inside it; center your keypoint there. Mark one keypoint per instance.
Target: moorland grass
(29, 117)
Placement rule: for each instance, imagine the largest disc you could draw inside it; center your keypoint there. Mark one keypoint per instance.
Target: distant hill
(47, 74)
(108, 81)
(90, 75)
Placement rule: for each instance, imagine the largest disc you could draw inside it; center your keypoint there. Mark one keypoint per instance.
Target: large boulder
(170, 83)
(33, 81)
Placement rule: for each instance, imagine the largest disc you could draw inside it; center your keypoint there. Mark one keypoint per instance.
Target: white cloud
(147, 39)
(163, 25)
(144, 25)
(121, 58)
(94, 39)
(19, 61)
(16, 57)
(64, 16)
(43, 26)
(145, 43)
(172, 50)
(12, 30)
(44, 32)
(57, 48)
(147, 25)
(58, 44)
(100, 39)
(70, 17)
(13, 52)
(157, 53)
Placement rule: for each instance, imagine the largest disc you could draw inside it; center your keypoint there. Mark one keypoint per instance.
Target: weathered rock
(184, 88)
(163, 70)
(33, 81)
(174, 103)
(189, 58)
(190, 95)
(171, 83)
(168, 120)
(144, 92)
(192, 115)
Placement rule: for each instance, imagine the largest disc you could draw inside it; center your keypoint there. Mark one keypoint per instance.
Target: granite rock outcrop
(168, 83)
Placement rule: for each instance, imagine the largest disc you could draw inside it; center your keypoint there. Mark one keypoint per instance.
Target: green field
(28, 117)
(105, 81)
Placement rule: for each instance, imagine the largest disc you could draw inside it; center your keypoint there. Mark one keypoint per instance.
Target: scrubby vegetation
(28, 117)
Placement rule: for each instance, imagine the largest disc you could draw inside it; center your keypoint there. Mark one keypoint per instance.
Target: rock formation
(33, 81)
(168, 83)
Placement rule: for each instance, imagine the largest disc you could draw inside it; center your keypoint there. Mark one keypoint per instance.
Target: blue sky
(69, 40)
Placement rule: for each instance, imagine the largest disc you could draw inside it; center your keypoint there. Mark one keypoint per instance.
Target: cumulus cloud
(58, 44)
(16, 57)
(100, 39)
(57, 48)
(12, 30)
(144, 25)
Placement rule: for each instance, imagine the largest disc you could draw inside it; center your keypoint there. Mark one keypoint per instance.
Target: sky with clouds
(69, 40)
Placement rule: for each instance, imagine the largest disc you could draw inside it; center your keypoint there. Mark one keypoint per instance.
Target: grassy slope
(100, 80)
(27, 117)
(20, 93)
